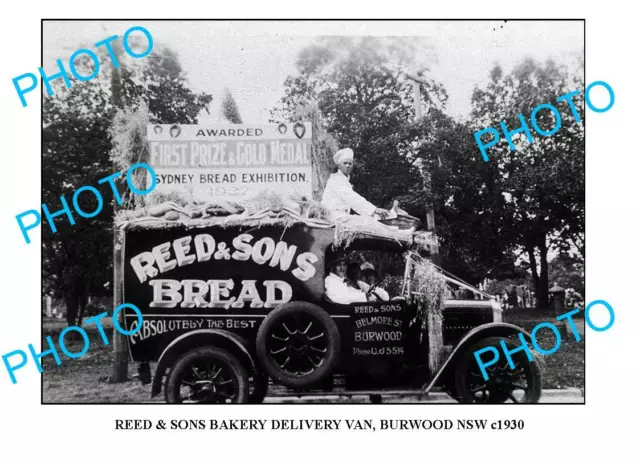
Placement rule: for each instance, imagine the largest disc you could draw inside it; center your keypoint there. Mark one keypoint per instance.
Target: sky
(253, 58)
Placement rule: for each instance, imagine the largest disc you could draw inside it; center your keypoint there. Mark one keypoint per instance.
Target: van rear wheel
(298, 344)
(207, 375)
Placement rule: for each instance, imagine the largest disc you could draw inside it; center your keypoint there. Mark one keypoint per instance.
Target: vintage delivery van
(235, 304)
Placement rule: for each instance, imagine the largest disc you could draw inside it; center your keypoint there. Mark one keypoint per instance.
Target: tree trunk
(543, 286)
(120, 354)
(540, 280)
(533, 265)
(71, 300)
(120, 349)
(83, 306)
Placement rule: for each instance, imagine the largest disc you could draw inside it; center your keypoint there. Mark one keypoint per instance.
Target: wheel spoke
(322, 351)
(216, 375)
(308, 328)
(474, 390)
(195, 372)
(224, 382)
(288, 330)
(280, 338)
(518, 385)
(316, 337)
(274, 352)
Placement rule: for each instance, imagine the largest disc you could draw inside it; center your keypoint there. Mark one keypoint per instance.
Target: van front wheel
(520, 383)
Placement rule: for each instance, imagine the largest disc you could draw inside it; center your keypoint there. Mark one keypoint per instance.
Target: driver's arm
(381, 293)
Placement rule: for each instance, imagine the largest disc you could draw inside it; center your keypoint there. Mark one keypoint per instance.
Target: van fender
(200, 337)
(473, 336)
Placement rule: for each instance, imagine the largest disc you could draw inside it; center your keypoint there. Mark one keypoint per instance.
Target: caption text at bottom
(331, 425)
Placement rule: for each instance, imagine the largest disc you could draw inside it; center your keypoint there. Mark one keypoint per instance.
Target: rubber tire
(333, 351)
(258, 387)
(240, 372)
(468, 360)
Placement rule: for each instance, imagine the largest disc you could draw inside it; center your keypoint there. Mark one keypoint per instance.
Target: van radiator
(459, 321)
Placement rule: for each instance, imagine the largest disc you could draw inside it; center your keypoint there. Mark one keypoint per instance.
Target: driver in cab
(368, 280)
(336, 286)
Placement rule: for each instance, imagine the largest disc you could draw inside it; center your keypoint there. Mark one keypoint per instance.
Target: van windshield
(419, 270)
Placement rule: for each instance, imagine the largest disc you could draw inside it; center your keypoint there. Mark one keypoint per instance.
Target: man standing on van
(339, 196)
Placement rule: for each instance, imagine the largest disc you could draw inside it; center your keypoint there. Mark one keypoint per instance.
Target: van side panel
(186, 279)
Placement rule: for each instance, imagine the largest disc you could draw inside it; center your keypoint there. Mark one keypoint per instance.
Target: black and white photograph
(313, 211)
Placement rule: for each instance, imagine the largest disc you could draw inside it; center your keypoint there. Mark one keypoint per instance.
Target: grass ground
(564, 368)
(85, 380)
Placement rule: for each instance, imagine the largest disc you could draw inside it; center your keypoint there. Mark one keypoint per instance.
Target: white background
(605, 430)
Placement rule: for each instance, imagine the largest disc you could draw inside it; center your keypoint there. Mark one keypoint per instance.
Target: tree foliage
(495, 220)
(229, 108)
(474, 243)
(77, 259)
(567, 271)
(535, 193)
(364, 101)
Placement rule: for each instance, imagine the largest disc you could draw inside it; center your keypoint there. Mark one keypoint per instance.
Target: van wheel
(521, 384)
(298, 344)
(207, 375)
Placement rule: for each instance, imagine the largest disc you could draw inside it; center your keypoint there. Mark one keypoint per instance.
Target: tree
(364, 102)
(473, 242)
(229, 108)
(534, 193)
(567, 271)
(76, 152)
(356, 92)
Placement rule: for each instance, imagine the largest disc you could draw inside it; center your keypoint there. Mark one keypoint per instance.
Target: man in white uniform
(339, 196)
(336, 289)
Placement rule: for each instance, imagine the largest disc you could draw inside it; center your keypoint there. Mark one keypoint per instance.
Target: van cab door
(377, 337)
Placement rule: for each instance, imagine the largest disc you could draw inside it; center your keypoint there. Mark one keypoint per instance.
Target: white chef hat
(342, 155)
